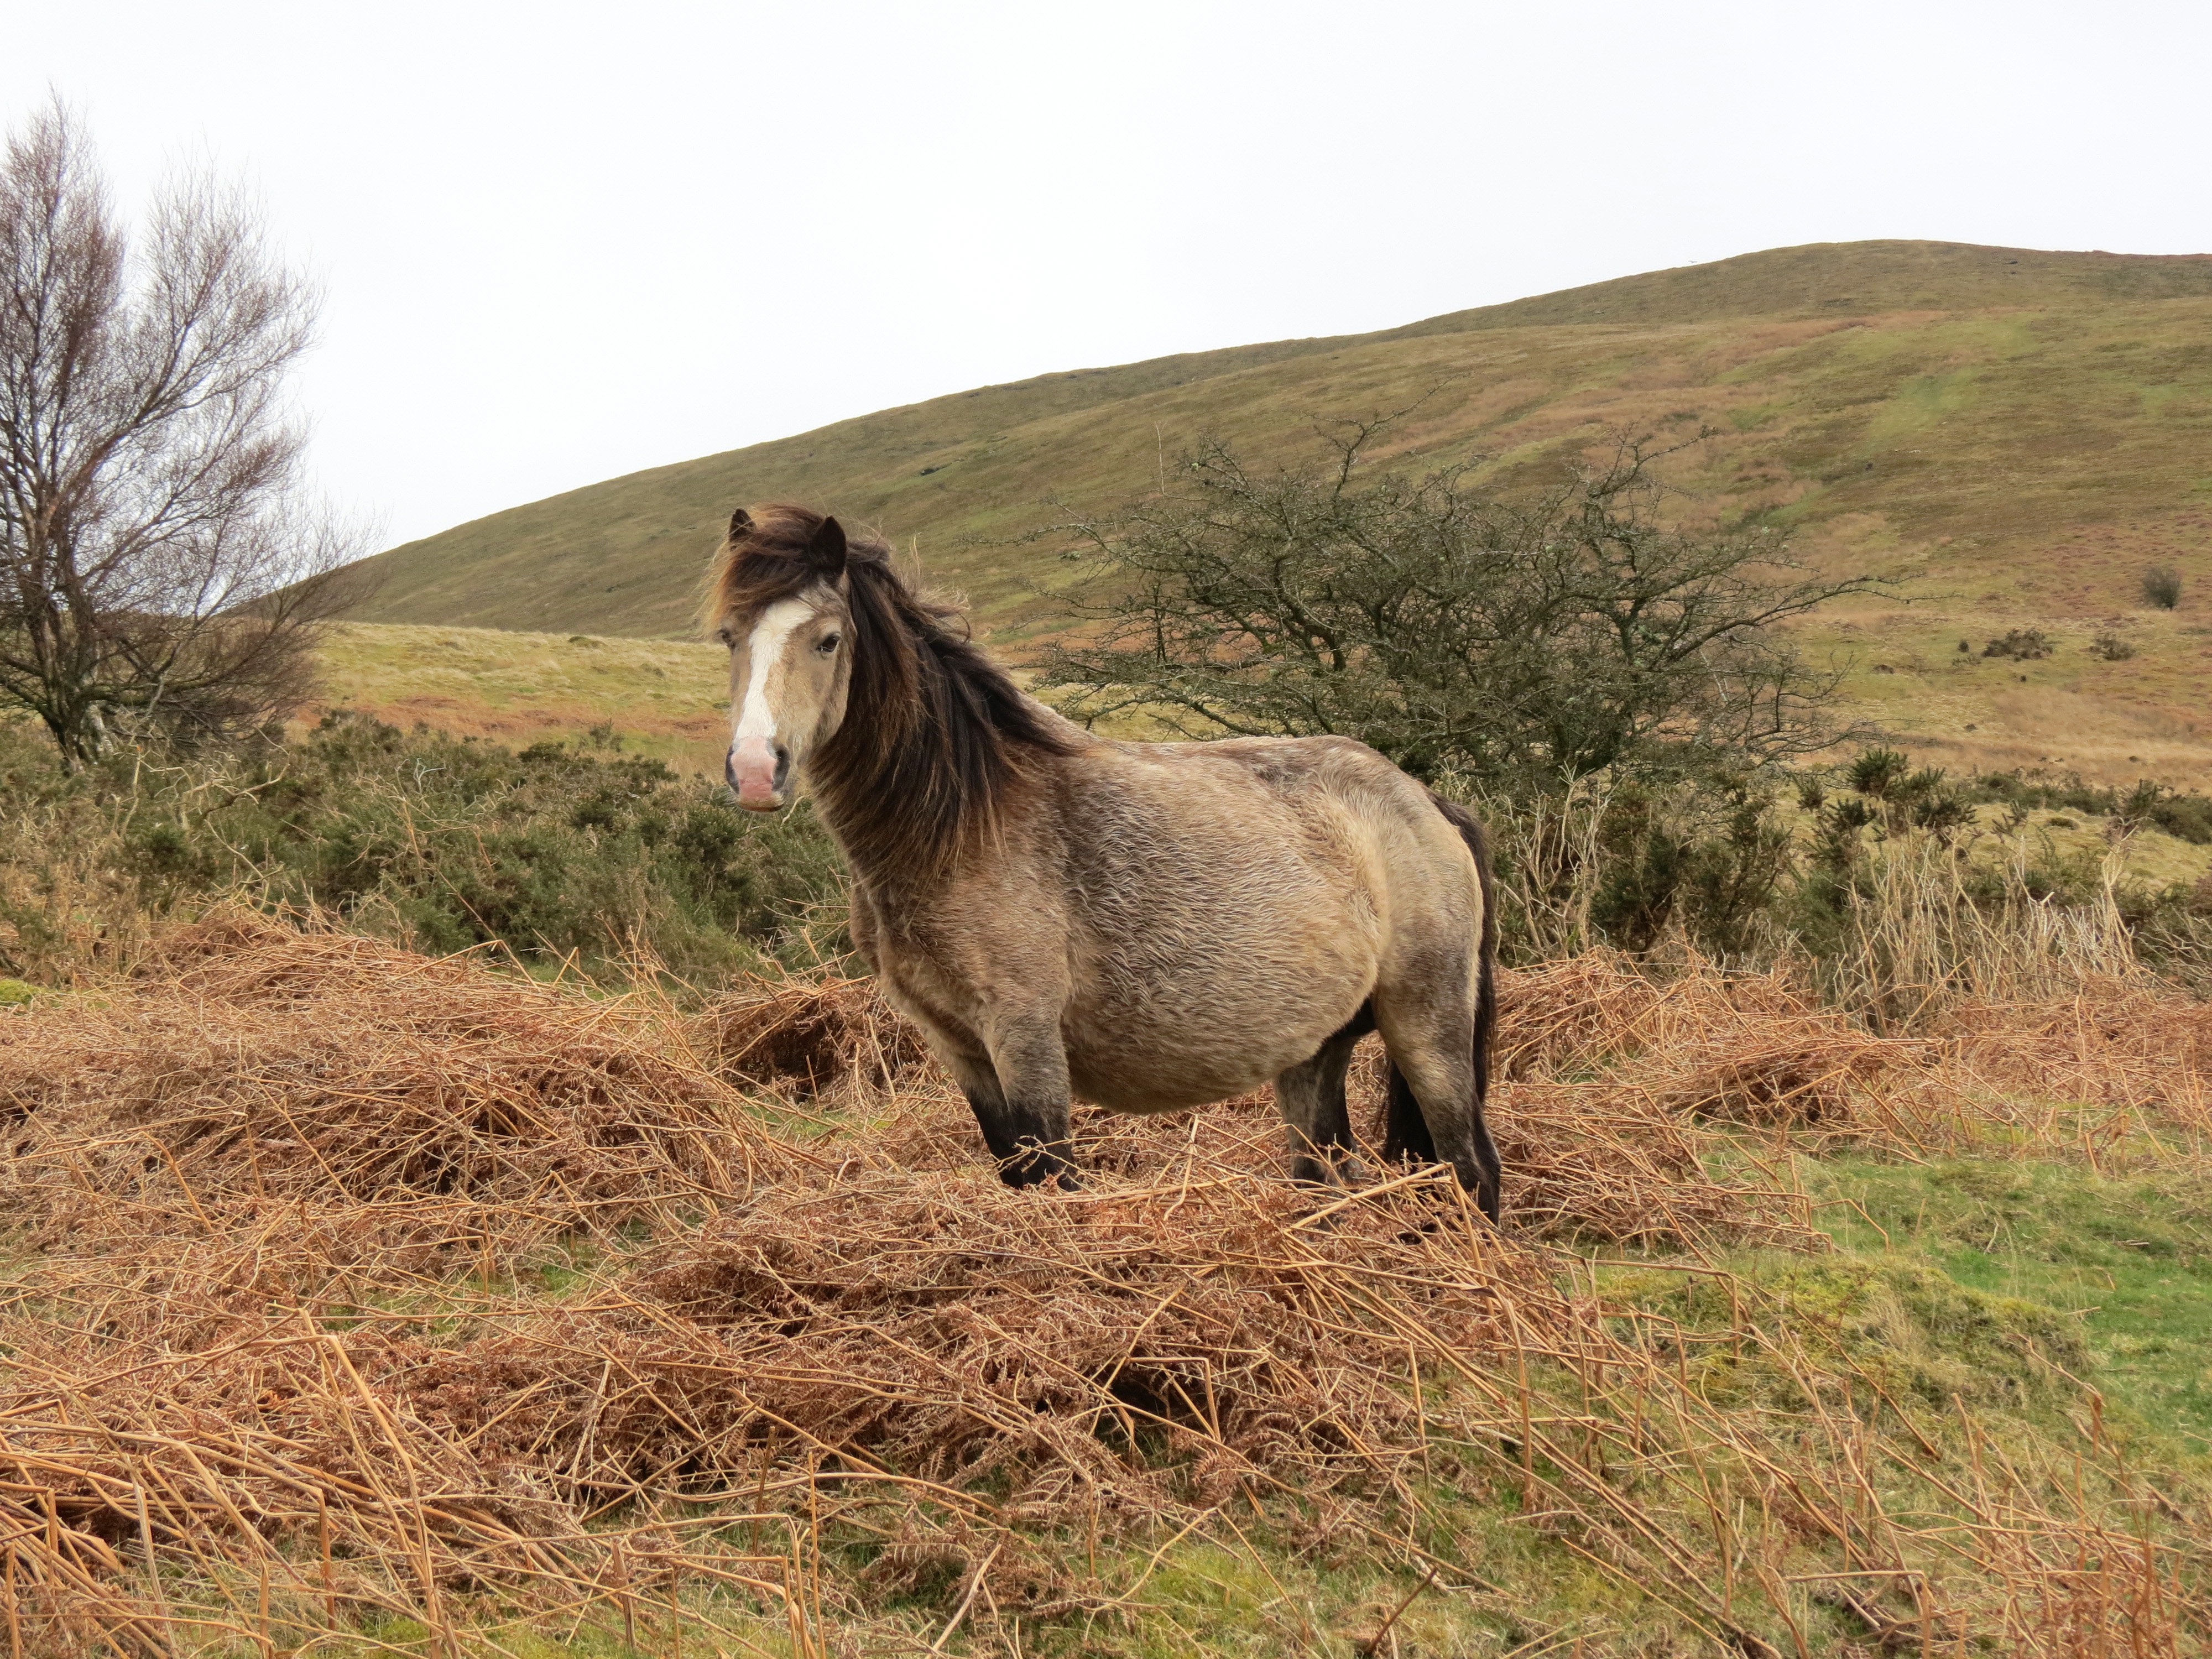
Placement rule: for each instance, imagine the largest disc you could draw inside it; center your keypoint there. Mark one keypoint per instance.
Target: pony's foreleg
(1021, 1101)
(1310, 1097)
(979, 1083)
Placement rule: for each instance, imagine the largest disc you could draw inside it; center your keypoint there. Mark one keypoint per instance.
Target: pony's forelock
(769, 557)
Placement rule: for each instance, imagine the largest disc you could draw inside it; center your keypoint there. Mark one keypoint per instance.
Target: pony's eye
(829, 644)
(726, 636)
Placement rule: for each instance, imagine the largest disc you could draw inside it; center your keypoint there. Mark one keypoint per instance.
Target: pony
(1147, 926)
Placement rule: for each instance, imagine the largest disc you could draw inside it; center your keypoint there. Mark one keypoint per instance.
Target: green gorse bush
(555, 853)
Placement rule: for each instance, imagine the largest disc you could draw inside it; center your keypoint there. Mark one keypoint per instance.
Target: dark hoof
(1037, 1170)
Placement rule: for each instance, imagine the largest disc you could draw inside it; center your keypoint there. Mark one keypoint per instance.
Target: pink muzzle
(757, 769)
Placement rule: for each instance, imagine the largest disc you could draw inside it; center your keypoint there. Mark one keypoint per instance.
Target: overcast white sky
(564, 242)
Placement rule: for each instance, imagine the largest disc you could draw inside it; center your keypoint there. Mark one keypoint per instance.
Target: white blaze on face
(755, 755)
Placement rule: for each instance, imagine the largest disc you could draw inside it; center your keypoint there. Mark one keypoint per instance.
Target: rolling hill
(2012, 435)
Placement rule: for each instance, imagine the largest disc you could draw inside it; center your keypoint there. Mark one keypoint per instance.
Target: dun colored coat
(1143, 925)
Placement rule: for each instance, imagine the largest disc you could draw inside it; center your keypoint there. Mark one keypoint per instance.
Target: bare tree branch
(157, 567)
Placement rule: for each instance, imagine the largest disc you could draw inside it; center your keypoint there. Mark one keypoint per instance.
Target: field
(666, 699)
(2111, 722)
(361, 1302)
(2014, 436)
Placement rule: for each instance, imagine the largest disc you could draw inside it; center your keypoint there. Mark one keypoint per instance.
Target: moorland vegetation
(557, 853)
(589, 1290)
(363, 1300)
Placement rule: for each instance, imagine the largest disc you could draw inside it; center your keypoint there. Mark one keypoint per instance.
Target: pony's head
(782, 602)
(912, 737)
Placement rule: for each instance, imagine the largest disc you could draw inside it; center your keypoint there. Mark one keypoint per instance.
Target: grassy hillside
(2012, 435)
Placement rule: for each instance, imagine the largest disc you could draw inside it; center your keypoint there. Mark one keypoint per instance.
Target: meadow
(1905, 679)
(666, 700)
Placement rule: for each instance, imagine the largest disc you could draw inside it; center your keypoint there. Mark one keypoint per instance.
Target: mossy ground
(2124, 1261)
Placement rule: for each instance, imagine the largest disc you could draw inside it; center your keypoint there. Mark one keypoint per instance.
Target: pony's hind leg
(1435, 1103)
(1406, 1138)
(1310, 1096)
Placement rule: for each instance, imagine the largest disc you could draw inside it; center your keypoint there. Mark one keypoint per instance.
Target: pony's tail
(1406, 1132)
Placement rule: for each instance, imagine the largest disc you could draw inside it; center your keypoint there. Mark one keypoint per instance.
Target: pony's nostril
(782, 767)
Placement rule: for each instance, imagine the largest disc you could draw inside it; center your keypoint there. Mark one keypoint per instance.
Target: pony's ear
(740, 522)
(826, 552)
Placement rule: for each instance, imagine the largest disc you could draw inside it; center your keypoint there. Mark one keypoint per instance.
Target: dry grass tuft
(249, 1064)
(1745, 1048)
(1594, 1010)
(1572, 1015)
(1804, 1073)
(812, 1036)
(1603, 1165)
(1145, 1346)
(2115, 1041)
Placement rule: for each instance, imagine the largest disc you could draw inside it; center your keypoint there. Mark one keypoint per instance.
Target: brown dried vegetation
(350, 1286)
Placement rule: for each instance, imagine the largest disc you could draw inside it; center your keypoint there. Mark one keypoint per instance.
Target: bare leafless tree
(159, 571)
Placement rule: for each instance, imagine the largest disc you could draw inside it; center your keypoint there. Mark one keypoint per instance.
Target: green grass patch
(2125, 1260)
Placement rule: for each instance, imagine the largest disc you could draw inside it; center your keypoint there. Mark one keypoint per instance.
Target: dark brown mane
(934, 732)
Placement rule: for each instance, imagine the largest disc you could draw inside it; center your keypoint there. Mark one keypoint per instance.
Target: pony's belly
(1159, 1065)
(1185, 1021)
(1138, 1094)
